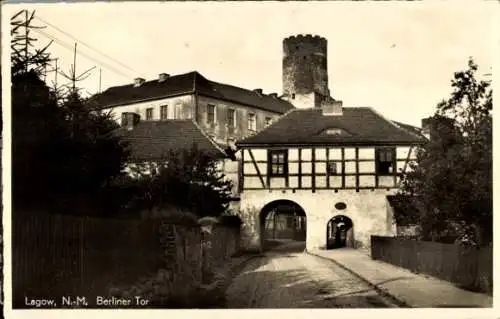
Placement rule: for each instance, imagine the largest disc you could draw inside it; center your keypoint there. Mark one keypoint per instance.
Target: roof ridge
(414, 130)
(242, 88)
(150, 81)
(269, 126)
(208, 137)
(385, 119)
(167, 120)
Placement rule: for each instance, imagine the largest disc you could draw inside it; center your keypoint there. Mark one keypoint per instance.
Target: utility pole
(72, 76)
(100, 78)
(57, 71)
(22, 42)
(26, 39)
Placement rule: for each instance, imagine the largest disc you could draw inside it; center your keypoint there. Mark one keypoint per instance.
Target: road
(289, 278)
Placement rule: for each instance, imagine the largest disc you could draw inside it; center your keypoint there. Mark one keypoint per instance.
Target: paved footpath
(413, 290)
(283, 279)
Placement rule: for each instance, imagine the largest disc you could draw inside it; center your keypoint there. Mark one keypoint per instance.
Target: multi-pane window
(231, 120)
(178, 111)
(210, 114)
(124, 119)
(252, 122)
(164, 112)
(278, 163)
(149, 113)
(332, 167)
(386, 161)
(267, 121)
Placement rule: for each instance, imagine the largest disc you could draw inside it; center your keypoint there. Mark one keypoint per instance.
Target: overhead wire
(70, 47)
(88, 45)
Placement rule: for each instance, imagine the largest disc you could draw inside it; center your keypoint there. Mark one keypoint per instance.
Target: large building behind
(225, 112)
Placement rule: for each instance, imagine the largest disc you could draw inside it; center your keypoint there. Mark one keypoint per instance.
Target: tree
(36, 134)
(451, 182)
(25, 56)
(60, 153)
(189, 181)
(90, 156)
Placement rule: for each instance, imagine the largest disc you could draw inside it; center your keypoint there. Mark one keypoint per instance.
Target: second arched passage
(339, 232)
(283, 224)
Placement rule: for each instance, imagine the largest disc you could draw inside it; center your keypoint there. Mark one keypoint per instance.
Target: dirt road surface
(290, 278)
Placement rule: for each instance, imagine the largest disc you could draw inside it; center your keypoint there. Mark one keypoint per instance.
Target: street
(286, 277)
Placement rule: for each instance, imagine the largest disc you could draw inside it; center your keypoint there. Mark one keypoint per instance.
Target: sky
(398, 58)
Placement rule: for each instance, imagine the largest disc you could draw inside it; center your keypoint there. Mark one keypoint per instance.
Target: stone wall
(158, 259)
(366, 208)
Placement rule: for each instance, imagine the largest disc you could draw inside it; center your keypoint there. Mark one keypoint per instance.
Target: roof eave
(245, 104)
(108, 106)
(357, 143)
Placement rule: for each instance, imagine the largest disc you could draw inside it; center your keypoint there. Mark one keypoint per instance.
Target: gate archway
(339, 232)
(283, 223)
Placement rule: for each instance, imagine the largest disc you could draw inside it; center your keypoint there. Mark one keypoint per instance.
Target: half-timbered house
(337, 164)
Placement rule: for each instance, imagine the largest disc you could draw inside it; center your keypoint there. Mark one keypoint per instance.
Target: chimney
(258, 91)
(163, 76)
(426, 128)
(332, 108)
(274, 95)
(130, 120)
(437, 126)
(138, 82)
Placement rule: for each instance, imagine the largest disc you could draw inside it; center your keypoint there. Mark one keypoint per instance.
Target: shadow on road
(261, 285)
(284, 246)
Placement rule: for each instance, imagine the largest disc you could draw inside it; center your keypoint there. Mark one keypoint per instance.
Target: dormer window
(335, 131)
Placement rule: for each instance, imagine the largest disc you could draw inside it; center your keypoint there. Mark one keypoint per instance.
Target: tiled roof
(152, 140)
(188, 83)
(410, 128)
(357, 126)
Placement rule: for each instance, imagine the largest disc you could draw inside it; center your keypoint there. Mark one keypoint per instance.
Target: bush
(172, 215)
(161, 292)
(230, 221)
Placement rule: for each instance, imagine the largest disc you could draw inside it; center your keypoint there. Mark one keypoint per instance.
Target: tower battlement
(305, 44)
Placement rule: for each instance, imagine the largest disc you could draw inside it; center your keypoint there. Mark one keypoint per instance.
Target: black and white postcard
(166, 156)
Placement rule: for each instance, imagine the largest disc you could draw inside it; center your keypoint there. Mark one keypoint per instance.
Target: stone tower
(305, 71)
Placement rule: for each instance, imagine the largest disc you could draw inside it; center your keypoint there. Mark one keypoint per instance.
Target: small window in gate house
(332, 167)
(386, 161)
(278, 163)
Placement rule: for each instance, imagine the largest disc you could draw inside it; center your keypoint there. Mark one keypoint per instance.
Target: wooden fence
(55, 256)
(469, 268)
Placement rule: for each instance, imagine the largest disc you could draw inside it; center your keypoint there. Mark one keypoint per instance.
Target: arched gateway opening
(339, 232)
(283, 226)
